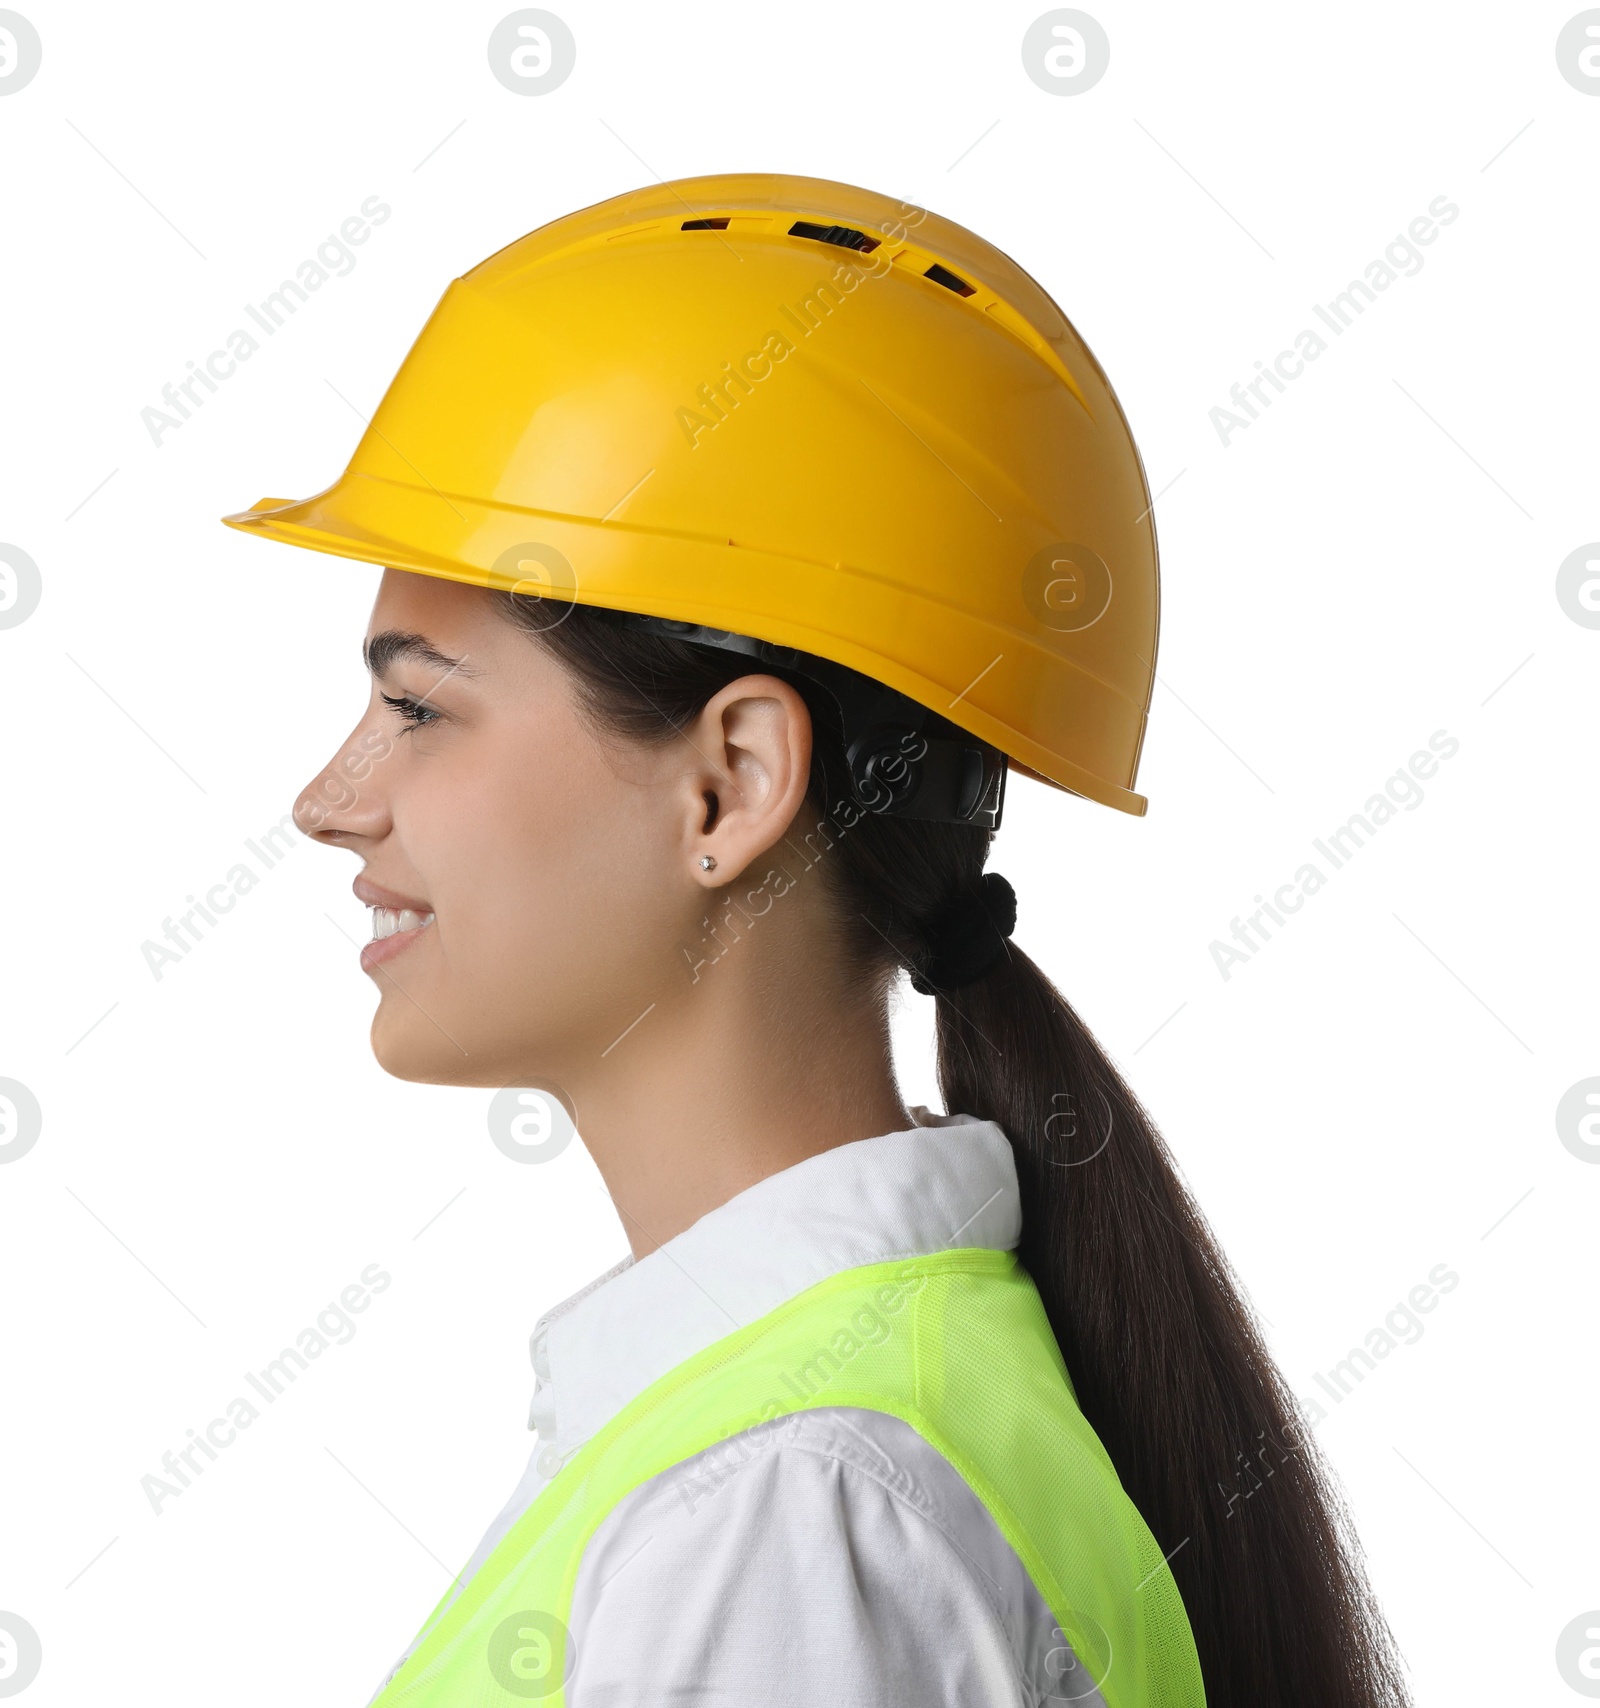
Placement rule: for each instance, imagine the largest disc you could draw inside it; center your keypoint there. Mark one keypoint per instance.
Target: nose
(345, 800)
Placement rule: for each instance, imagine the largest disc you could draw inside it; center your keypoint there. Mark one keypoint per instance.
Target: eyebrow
(391, 645)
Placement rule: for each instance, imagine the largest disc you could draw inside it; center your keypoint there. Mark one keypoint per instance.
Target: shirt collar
(950, 1181)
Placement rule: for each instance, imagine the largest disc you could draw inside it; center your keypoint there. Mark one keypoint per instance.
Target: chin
(407, 1047)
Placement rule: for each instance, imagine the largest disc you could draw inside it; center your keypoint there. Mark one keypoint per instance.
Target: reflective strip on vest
(957, 1345)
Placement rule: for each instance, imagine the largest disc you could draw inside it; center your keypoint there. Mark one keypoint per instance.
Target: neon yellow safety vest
(955, 1344)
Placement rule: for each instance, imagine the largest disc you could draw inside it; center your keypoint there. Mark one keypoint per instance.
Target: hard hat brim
(692, 578)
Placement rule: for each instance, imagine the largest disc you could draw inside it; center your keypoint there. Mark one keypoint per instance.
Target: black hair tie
(967, 937)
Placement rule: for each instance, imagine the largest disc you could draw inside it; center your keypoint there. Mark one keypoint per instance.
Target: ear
(749, 766)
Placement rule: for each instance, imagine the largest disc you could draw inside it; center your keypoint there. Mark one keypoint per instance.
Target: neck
(769, 1057)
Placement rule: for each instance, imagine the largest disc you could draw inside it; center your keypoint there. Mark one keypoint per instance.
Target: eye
(413, 712)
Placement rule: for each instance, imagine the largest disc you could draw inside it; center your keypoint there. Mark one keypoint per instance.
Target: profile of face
(538, 879)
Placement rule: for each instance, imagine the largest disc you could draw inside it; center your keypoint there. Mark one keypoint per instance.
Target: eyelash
(415, 714)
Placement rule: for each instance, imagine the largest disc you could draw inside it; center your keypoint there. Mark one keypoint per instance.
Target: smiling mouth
(394, 930)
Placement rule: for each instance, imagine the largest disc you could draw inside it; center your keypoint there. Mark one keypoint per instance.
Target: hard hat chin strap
(905, 760)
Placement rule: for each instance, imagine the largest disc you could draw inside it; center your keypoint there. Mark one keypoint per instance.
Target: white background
(1374, 559)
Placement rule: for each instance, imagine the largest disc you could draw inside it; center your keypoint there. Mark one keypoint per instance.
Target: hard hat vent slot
(943, 276)
(704, 225)
(842, 236)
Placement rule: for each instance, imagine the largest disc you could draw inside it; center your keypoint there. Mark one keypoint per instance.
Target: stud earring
(708, 863)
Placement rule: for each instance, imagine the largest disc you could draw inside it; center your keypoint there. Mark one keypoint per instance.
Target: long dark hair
(1166, 1357)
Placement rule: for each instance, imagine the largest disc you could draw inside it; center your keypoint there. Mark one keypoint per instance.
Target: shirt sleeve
(805, 1561)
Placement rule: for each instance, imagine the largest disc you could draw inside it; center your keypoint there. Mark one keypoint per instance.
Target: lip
(380, 949)
(375, 895)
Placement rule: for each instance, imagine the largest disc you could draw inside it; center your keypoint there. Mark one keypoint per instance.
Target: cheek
(546, 869)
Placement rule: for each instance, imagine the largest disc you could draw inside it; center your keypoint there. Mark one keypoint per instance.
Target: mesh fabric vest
(958, 1346)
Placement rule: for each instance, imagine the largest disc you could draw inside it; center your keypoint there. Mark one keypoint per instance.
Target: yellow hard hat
(793, 410)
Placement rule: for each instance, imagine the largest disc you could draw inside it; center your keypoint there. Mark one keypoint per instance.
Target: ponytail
(1165, 1357)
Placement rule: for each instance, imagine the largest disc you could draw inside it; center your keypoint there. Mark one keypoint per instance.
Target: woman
(739, 534)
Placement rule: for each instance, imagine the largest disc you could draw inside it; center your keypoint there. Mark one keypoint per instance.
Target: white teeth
(386, 921)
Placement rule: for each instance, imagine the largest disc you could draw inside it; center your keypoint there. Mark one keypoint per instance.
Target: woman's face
(544, 884)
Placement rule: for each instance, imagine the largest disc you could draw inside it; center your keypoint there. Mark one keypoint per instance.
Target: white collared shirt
(848, 1561)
